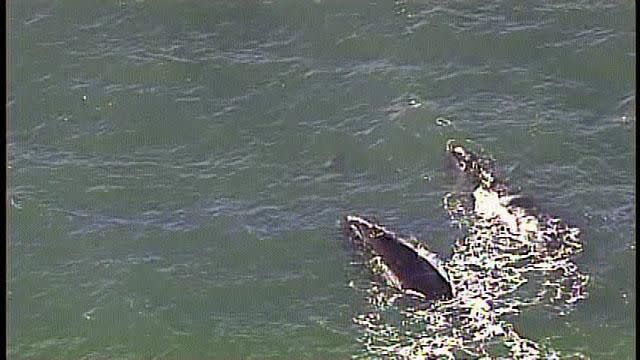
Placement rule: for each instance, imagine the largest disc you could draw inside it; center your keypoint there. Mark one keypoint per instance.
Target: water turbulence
(511, 258)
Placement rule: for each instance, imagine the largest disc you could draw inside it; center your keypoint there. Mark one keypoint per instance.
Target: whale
(493, 201)
(491, 196)
(414, 269)
(512, 256)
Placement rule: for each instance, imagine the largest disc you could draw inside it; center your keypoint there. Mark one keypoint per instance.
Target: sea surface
(177, 170)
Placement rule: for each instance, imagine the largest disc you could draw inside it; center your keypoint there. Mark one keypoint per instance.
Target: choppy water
(177, 170)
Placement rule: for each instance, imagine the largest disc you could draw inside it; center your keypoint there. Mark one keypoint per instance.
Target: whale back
(413, 268)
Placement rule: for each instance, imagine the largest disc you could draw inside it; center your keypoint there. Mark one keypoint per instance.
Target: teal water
(178, 169)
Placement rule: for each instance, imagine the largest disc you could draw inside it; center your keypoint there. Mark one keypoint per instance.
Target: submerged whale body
(414, 269)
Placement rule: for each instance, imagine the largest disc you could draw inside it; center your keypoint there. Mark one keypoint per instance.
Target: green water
(178, 169)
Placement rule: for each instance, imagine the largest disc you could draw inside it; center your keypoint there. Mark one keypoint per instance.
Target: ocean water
(177, 170)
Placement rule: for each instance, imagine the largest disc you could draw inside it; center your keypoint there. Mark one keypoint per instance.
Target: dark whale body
(414, 271)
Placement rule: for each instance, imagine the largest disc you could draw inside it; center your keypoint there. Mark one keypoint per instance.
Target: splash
(510, 260)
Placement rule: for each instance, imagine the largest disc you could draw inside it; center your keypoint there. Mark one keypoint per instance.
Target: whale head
(363, 231)
(480, 170)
